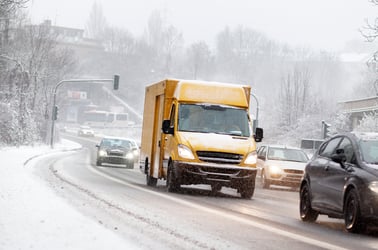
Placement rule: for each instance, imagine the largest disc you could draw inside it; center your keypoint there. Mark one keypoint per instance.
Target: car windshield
(115, 143)
(208, 118)
(287, 154)
(369, 151)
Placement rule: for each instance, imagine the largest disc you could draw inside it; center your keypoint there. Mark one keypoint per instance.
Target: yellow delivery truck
(197, 132)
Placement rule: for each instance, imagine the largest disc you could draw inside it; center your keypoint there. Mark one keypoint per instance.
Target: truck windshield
(209, 118)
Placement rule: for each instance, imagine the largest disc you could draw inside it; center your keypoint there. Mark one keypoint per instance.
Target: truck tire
(172, 183)
(247, 188)
(150, 180)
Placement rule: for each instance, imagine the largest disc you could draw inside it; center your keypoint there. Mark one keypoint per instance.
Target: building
(358, 108)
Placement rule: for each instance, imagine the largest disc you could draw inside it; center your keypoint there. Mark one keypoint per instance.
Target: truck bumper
(205, 173)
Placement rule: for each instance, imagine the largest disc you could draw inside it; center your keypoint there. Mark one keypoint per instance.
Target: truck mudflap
(227, 175)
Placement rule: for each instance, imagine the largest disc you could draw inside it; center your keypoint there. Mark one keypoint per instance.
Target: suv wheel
(305, 209)
(352, 213)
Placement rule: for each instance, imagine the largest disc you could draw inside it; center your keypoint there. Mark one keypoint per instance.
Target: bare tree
(241, 53)
(96, 24)
(8, 9)
(199, 57)
(370, 30)
(370, 33)
(173, 41)
(119, 41)
(164, 41)
(293, 96)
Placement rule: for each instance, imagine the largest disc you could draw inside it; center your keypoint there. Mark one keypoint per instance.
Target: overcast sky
(319, 24)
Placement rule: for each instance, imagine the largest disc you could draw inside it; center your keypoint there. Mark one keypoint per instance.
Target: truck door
(159, 111)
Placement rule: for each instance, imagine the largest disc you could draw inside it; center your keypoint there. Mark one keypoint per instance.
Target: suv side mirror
(261, 157)
(166, 126)
(259, 135)
(339, 156)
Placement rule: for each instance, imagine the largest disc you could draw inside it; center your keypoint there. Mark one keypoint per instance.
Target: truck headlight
(102, 153)
(373, 186)
(251, 158)
(185, 152)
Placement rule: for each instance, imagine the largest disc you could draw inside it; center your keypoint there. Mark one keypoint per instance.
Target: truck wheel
(150, 180)
(247, 189)
(172, 183)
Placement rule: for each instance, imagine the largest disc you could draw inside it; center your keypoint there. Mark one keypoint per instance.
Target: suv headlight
(275, 170)
(251, 158)
(373, 186)
(102, 152)
(129, 155)
(185, 152)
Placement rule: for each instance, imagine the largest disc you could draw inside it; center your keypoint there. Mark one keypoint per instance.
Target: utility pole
(54, 111)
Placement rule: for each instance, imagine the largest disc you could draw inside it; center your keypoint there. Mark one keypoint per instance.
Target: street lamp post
(115, 82)
(255, 124)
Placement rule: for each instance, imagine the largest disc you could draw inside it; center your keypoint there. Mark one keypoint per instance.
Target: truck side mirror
(259, 135)
(166, 126)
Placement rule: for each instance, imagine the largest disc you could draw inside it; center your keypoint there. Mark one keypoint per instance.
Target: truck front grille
(219, 157)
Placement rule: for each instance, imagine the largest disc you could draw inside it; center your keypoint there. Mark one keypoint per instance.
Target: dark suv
(115, 150)
(341, 181)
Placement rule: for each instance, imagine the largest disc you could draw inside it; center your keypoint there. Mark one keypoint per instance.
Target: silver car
(281, 165)
(116, 150)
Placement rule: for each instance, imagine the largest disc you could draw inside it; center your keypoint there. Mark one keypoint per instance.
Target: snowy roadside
(33, 217)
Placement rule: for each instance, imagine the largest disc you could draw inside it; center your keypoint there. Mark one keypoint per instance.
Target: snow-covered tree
(369, 123)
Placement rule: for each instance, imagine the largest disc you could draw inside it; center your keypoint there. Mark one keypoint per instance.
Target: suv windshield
(209, 118)
(287, 154)
(115, 143)
(369, 151)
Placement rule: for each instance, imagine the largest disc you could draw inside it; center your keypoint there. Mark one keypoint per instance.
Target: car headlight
(129, 155)
(275, 170)
(185, 152)
(373, 186)
(251, 158)
(102, 152)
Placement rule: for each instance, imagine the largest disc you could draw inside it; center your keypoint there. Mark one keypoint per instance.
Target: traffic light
(116, 82)
(326, 130)
(55, 113)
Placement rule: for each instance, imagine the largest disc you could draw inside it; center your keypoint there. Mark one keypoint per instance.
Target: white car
(281, 165)
(86, 131)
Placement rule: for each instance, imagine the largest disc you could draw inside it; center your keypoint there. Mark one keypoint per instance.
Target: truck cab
(204, 137)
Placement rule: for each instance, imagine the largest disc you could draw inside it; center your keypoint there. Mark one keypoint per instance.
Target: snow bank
(33, 217)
